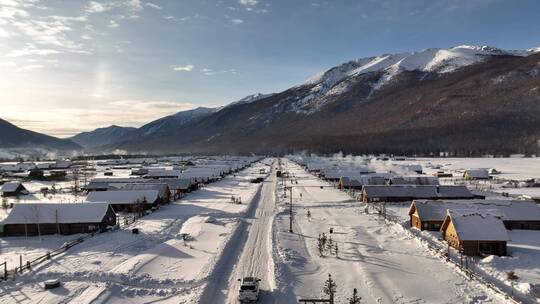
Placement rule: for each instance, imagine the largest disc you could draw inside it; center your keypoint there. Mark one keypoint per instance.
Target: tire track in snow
(216, 289)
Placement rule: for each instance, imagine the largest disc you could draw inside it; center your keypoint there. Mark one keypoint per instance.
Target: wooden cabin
(357, 182)
(31, 219)
(429, 215)
(179, 186)
(404, 193)
(421, 180)
(164, 193)
(475, 233)
(476, 174)
(126, 200)
(105, 184)
(12, 189)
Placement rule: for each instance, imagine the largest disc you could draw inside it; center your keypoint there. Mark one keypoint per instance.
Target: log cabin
(12, 189)
(31, 219)
(474, 233)
(476, 174)
(126, 200)
(404, 193)
(429, 215)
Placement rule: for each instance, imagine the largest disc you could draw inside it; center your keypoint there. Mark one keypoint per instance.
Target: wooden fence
(28, 265)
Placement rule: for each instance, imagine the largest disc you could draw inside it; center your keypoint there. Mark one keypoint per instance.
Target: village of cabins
(73, 201)
(468, 210)
(466, 220)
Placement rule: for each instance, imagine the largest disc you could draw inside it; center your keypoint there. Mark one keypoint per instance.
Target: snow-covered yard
(385, 264)
(159, 263)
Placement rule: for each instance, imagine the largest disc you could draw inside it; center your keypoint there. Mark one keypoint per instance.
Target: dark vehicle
(257, 180)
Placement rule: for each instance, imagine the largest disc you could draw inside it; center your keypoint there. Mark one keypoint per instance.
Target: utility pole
(290, 211)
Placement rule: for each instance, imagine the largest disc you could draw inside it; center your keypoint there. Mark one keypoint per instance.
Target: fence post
(5, 271)
(20, 263)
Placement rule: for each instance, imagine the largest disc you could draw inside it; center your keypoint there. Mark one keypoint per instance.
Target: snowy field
(156, 265)
(386, 265)
(511, 168)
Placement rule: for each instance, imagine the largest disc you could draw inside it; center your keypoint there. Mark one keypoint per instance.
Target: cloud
(8, 64)
(248, 2)
(186, 68)
(113, 24)
(153, 5)
(96, 7)
(31, 50)
(31, 67)
(207, 71)
(237, 21)
(132, 7)
(12, 13)
(4, 33)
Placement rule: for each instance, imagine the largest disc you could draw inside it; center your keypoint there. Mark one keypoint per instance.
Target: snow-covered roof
(477, 173)
(400, 191)
(119, 180)
(163, 173)
(416, 191)
(414, 180)
(44, 213)
(123, 196)
(475, 226)
(10, 187)
(162, 188)
(177, 183)
(359, 181)
(507, 210)
(447, 191)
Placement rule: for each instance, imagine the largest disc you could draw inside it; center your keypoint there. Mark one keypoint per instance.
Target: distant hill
(173, 122)
(103, 136)
(12, 136)
(466, 100)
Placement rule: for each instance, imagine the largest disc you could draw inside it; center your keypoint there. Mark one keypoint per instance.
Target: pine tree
(324, 239)
(330, 287)
(329, 243)
(336, 250)
(320, 245)
(355, 299)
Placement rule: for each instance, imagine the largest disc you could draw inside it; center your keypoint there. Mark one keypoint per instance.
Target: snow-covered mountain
(466, 99)
(380, 70)
(250, 98)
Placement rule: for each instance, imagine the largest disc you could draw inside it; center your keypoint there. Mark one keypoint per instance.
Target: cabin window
(92, 227)
(489, 248)
(426, 225)
(437, 226)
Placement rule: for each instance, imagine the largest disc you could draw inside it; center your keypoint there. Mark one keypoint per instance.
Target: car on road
(249, 290)
(257, 180)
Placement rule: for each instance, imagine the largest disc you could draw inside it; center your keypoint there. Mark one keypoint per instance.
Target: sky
(76, 65)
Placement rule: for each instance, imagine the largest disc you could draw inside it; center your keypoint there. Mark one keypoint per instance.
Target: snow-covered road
(377, 258)
(250, 253)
